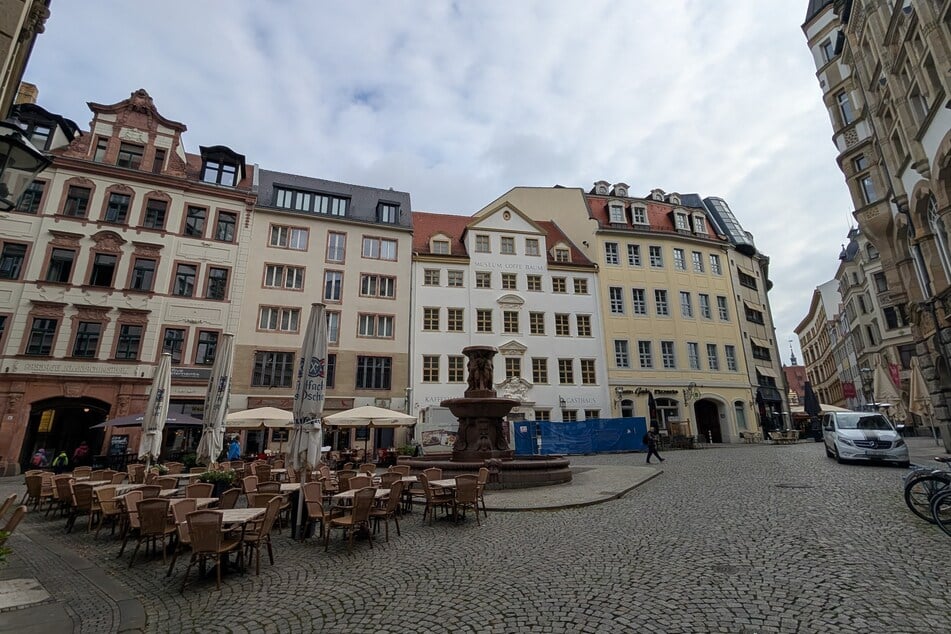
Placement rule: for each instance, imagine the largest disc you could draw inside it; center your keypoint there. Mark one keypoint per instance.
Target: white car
(863, 436)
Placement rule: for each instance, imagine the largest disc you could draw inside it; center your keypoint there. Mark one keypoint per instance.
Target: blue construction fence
(598, 435)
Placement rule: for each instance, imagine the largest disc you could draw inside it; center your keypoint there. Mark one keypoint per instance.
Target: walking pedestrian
(60, 462)
(650, 439)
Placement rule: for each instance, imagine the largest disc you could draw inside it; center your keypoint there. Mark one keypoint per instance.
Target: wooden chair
(175, 468)
(483, 478)
(433, 473)
(269, 487)
(98, 475)
(82, 504)
(62, 494)
(313, 493)
(108, 507)
(208, 542)
(198, 470)
(263, 472)
(129, 509)
(12, 523)
(136, 473)
(466, 495)
(179, 512)
(153, 526)
(108, 473)
(388, 478)
(229, 499)
(249, 484)
(167, 482)
(358, 518)
(27, 474)
(389, 510)
(7, 504)
(199, 490)
(260, 500)
(150, 491)
(82, 472)
(278, 464)
(402, 469)
(151, 476)
(343, 480)
(434, 499)
(347, 466)
(260, 533)
(368, 468)
(38, 491)
(361, 482)
(118, 478)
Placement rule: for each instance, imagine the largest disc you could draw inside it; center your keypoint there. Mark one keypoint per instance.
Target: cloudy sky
(456, 102)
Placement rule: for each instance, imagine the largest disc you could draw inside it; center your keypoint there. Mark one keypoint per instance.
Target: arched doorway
(708, 420)
(61, 424)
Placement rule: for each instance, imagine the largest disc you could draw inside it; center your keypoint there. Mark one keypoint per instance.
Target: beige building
(127, 246)
(817, 333)
(349, 247)
(20, 22)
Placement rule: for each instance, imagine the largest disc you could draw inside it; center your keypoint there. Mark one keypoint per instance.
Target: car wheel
(839, 458)
(829, 454)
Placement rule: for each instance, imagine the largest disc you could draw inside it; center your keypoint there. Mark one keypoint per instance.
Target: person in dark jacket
(650, 439)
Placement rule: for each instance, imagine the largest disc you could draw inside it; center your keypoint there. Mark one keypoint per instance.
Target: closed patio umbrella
(156, 411)
(812, 407)
(919, 400)
(216, 403)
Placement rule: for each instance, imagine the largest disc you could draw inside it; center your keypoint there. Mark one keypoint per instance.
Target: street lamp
(867, 385)
(20, 162)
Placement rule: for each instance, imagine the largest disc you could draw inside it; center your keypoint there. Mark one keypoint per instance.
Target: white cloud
(458, 102)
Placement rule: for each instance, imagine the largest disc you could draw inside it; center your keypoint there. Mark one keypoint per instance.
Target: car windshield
(857, 420)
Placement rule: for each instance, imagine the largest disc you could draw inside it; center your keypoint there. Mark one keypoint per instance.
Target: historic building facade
(126, 247)
(818, 334)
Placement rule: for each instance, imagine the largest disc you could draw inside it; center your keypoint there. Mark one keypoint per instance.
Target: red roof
(658, 215)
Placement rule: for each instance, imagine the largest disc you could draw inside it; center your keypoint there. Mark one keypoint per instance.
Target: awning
(770, 394)
(761, 343)
(766, 372)
(753, 305)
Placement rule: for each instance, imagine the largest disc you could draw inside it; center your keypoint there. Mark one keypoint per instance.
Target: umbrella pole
(300, 503)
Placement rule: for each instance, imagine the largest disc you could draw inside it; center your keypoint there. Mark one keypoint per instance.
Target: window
(509, 281)
(174, 343)
(42, 333)
(224, 229)
(583, 324)
(616, 213)
(660, 302)
(881, 282)
(118, 208)
(536, 323)
(569, 415)
(730, 353)
(539, 370)
(686, 305)
(622, 356)
(217, 287)
(310, 201)
(587, 372)
(845, 107)
(185, 280)
(377, 286)
(430, 318)
(454, 278)
(101, 146)
(534, 282)
(531, 246)
(756, 316)
(130, 155)
(87, 339)
(128, 342)
(454, 319)
(330, 379)
(873, 252)
(715, 266)
(566, 372)
(680, 264)
(559, 285)
(510, 321)
(388, 212)
(431, 277)
(205, 347)
(868, 188)
(77, 202)
(680, 222)
(828, 50)
(273, 369)
(143, 274)
(61, 265)
(333, 286)
(513, 368)
(697, 258)
(430, 368)
(667, 357)
(656, 257)
(158, 161)
(29, 202)
(336, 246)
(333, 326)
(634, 254)
(377, 326)
(373, 373)
(289, 237)
(456, 366)
(713, 358)
(639, 214)
(747, 280)
(611, 253)
(562, 255)
(379, 248)
(895, 317)
(38, 134)
(195, 219)
(616, 300)
(155, 214)
(645, 356)
(220, 173)
(693, 355)
(722, 309)
(441, 247)
(581, 286)
(483, 320)
(482, 244)
(281, 276)
(483, 279)
(562, 326)
(699, 224)
(704, 301)
(507, 246)
(103, 270)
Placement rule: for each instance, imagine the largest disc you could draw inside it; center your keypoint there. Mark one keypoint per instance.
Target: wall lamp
(691, 393)
(562, 402)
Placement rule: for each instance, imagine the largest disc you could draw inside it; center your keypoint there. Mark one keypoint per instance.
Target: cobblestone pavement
(752, 538)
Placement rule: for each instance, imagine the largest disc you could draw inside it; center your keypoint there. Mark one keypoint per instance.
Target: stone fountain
(481, 439)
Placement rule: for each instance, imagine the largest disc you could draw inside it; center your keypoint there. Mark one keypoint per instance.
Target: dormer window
(387, 212)
(620, 190)
(680, 221)
(562, 254)
(657, 194)
(616, 213)
(699, 224)
(639, 215)
(221, 166)
(674, 199)
(601, 188)
(130, 155)
(440, 247)
(39, 134)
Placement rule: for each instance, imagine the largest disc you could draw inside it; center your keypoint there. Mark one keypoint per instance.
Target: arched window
(940, 231)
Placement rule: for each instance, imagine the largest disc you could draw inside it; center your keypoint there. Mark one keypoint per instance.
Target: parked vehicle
(863, 436)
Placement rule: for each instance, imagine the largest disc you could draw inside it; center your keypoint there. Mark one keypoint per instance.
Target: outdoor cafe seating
(358, 518)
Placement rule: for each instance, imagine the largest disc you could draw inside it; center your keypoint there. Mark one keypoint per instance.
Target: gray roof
(363, 200)
(816, 7)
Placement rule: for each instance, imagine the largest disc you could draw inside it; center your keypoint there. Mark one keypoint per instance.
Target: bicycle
(941, 510)
(923, 484)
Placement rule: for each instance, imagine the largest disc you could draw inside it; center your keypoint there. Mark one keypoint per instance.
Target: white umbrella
(216, 403)
(156, 411)
(370, 416)
(884, 391)
(260, 418)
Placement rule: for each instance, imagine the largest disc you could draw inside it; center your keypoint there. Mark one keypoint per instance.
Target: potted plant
(223, 480)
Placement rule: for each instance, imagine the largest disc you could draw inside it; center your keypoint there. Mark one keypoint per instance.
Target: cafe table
(121, 489)
(290, 487)
(230, 517)
(448, 483)
(200, 503)
(345, 498)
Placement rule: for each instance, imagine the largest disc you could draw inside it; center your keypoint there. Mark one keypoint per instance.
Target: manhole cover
(795, 486)
(726, 569)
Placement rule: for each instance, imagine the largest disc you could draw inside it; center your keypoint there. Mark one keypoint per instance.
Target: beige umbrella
(370, 416)
(156, 411)
(260, 418)
(919, 400)
(884, 392)
(216, 403)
